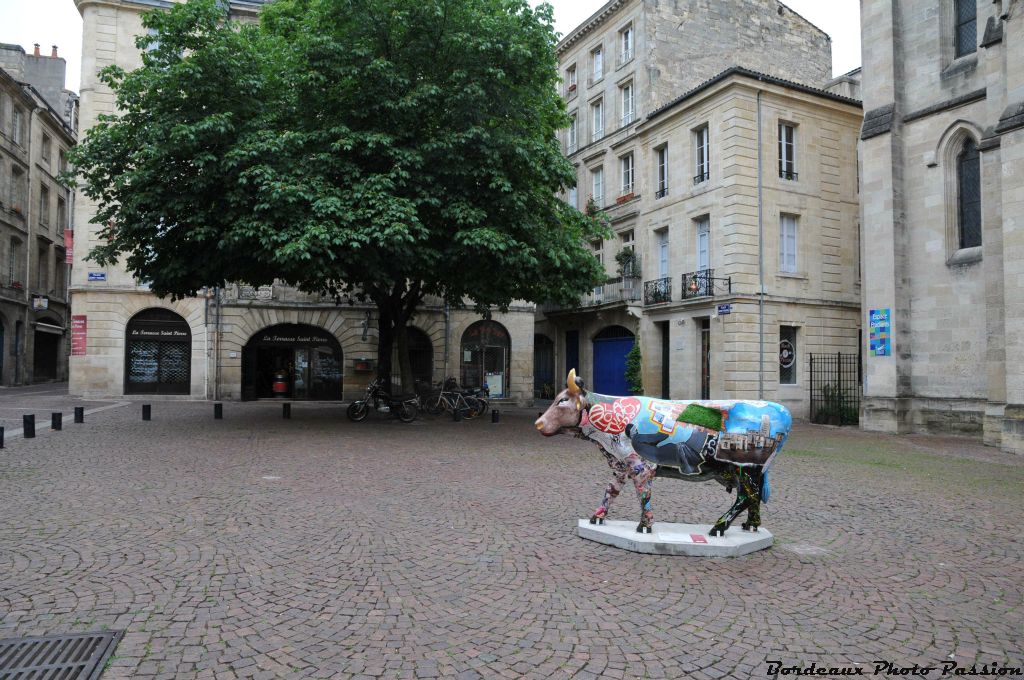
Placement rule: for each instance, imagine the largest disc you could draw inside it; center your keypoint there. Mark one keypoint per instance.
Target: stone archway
(486, 356)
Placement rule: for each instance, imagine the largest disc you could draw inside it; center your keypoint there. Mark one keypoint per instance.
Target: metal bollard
(56, 421)
(286, 411)
(147, 412)
(79, 414)
(495, 416)
(1, 437)
(218, 411)
(28, 426)
(457, 413)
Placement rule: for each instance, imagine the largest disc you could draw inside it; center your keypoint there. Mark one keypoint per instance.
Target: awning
(49, 328)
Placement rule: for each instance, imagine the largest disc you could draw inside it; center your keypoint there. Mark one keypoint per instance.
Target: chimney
(36, 52)
(54, 52)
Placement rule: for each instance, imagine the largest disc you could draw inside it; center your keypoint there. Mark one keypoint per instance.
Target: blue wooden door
(610, 365)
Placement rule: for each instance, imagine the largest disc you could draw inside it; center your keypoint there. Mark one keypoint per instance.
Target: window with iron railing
(787, 151)
(702, 155)
(596, 120)
(626, 44)
(657, 291)
(626, 96)
(662, 190)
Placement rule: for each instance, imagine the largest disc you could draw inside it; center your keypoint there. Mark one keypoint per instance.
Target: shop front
(158, 353)
(486, 357)
(292, 361)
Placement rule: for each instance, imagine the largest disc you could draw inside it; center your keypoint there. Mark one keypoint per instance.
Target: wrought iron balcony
(702, 177)
(789, 174)
(703, 283)
(658, 290)
(661, 193)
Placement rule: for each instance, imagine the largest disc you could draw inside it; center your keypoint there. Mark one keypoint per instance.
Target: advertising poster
(78, 335)
(880, 332)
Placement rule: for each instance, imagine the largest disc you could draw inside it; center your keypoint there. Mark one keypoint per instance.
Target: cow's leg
(611, 492)
(747, 493)
(754, 509)
(643, 480)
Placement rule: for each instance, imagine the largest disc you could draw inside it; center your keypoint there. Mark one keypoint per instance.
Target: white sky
(57, 22)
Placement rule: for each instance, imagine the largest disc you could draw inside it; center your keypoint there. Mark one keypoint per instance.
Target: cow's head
(567, 409)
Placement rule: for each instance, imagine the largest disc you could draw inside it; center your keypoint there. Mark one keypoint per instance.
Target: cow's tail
(766, 488)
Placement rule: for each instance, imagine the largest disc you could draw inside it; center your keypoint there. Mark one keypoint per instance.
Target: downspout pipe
(760, 258)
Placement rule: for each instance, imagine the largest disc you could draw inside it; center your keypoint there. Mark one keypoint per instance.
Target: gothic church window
(968, 178)
(966, 36)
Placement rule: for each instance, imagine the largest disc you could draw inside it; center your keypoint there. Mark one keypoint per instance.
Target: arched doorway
(158, 353)
(543, 367)
(309, 357)
(46, 349)
(421, 357)
(611, 346)
(486, 357)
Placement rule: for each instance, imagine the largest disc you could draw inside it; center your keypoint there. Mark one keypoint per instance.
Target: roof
(612, 6)
(754, 75)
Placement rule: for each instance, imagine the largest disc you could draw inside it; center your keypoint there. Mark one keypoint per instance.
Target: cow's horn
(570, 382)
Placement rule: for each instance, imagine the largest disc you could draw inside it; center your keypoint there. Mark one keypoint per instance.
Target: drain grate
(80, 656)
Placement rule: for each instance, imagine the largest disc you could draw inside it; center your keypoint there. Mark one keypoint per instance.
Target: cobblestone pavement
(41, 400)
(315, 547)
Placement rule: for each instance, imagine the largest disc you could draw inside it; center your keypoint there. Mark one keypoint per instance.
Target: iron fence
(835, 389)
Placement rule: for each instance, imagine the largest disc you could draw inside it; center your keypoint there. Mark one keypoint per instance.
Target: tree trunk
(385, 346)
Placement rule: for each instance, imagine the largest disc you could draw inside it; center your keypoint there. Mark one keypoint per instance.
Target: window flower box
(625, 197)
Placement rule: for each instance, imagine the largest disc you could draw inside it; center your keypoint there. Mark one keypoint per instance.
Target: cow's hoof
(640, 529)
(719, 530)
(749, 527)
(597, 520)
(593, 520)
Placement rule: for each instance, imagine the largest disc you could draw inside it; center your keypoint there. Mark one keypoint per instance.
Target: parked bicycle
(449, 397)
(404, 407)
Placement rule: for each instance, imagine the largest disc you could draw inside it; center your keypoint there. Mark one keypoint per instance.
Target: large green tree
(388, 149)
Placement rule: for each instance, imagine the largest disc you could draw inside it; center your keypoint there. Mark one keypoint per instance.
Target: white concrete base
(676, 539)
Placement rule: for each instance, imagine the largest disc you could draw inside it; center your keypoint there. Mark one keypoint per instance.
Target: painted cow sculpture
(643, 438)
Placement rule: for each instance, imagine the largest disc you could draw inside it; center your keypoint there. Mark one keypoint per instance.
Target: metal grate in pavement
(79, 656)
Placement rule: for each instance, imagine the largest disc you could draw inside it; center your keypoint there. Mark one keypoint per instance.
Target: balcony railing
(702, 177)
(661, 193)
(703, 283)
(658, 290)
(617, 289)
(789, 174)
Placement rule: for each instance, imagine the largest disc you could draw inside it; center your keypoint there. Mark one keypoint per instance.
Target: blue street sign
(724, 309)
(97, 276)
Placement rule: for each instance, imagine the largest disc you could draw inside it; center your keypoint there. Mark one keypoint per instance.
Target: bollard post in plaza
(495, 416)
(147, 412)
(56, 421)
(79, 414)
(28, 426)
(1, 437)
(457, 413)
(218, 411)
(286, 411)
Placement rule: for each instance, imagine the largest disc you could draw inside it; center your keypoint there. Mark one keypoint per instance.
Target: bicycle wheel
(406, 412)
(471, 408)
(434, 404)
(484, 405)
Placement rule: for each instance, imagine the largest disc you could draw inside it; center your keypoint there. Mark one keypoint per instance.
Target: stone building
(668, 102)
(37, 127)
(234, 342)
(941, 161)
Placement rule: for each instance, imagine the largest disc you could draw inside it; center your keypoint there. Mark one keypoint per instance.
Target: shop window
(158, 353)
(485, 357)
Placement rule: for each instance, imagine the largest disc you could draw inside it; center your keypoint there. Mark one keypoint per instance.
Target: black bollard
(56, 421)
(286, 411)
(457, 413)
(79, 414)
(28, 427)
(147, 412)
(1, 437)
(495, 417)
(218, 411)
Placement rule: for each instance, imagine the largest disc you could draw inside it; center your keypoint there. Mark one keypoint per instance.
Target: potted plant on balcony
(624, 197)
(629, 264)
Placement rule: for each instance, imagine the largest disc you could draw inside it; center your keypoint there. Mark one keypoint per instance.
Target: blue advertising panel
(880, 332)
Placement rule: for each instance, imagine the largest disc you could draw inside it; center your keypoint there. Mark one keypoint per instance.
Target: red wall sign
(69, 246)
(78, 334)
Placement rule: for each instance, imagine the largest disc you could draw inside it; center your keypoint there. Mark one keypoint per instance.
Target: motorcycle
(404, 407)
